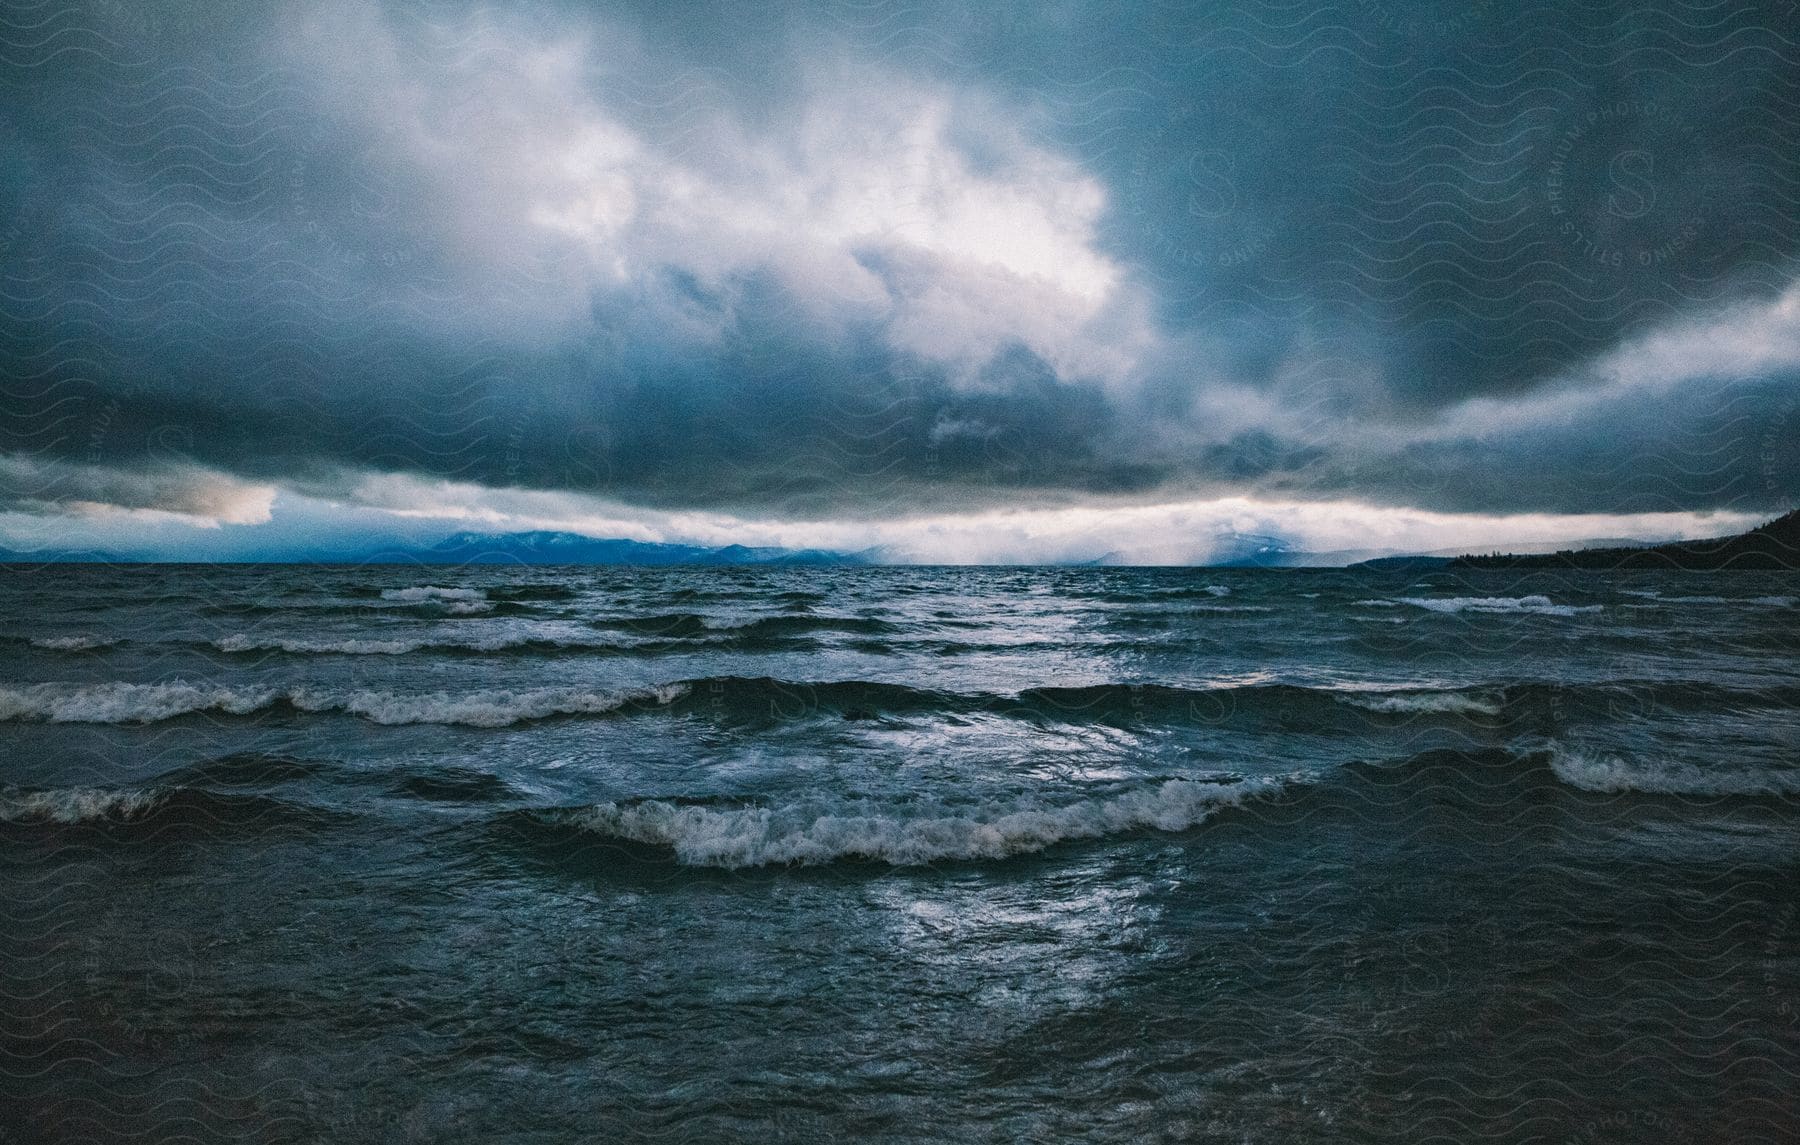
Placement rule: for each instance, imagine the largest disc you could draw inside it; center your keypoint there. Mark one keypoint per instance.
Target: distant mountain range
(1775, 545)
(533, 548)
(1274, 556)
(550, 548)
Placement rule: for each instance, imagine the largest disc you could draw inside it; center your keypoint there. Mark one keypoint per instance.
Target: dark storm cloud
(841, 259)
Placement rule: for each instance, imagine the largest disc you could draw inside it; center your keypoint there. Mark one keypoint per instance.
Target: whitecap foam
(486, 709)
(363, 646)
(1762, 601)
(71, 643)
(815, 833)
(1537, 605)
(432, 593)
(348, 647)
(1218, 590)
(1407, 703)
(455, 601)
(117, 703)
(1606, 773)
(74, 805)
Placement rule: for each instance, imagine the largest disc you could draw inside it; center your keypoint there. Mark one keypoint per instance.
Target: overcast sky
(1051, 282)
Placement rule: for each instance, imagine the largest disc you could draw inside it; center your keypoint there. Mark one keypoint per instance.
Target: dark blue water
(586, 854)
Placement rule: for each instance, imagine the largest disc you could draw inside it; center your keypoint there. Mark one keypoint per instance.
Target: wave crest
(809, 834)
(1612, 774)
(1408, 703)
(1535, 605)
(75, 805)
(303, 645)
(486, 709)
(71, 643)
(457, 601)
(118, 703)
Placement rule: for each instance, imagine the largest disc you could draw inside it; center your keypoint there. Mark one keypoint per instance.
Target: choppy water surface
(895, 854)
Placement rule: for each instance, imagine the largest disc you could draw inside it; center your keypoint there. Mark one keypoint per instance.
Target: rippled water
(991, 854)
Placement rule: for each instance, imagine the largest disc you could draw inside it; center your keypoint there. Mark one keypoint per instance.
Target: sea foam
(485, 709)
(1454, 703)
(432, 592)
(1538, 605)
(364, 646)
(74, 805)
(458, 601)
(350, 646)
(119, 703)
(71, 643)
(1599, 772)
(813, 833)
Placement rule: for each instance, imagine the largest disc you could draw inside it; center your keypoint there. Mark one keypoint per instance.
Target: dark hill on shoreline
(1775, 545)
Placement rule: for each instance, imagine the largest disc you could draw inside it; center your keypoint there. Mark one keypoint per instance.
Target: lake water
(553, 854)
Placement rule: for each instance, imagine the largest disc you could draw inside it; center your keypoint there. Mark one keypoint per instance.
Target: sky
(948, 283)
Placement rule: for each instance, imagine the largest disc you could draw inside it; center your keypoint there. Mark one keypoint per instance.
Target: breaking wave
(1536, 605)
(349, 647)
(157, 810)
(71, 643)
(808, 834)
(1602, 772)
(486, 709)
(364, 646)
(119, 703)
(456, 601)
(646, 636)
(1762, 601)
(692, 626)
(75, 805)
(427, 592)
(763, 699)
(1461, 703)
